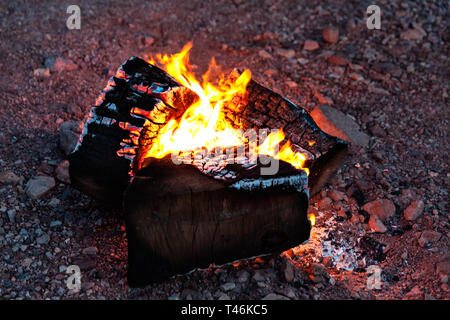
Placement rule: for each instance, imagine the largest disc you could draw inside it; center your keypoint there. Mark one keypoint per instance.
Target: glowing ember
(203, 124)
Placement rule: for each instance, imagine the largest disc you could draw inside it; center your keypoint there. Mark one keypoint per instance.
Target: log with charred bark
(262, 108)
(178, 218)
(135, 104)
(141, 98)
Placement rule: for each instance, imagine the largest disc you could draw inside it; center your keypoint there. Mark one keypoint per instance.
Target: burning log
(141, 98)
(179, 218)
(135, 104)
(264, 108)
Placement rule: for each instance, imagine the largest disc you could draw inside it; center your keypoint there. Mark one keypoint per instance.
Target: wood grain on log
(179, 219)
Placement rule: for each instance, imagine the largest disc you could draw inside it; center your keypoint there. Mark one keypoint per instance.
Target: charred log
(141, 98)
(135, 104)
(262, 108)
(179, 218)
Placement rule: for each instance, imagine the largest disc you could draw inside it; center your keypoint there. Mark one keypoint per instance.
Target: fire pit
(206, 172)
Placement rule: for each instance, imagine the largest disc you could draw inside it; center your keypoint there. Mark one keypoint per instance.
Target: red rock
(41, 73)
(414, 210)
(287, 53)
(383, 209)
(61, 64)
(322, 99)
(341, 213)
(338, 124)
(291, 84)
(428, 237)
(337, 60)
(310, 45)
(148, 41)
(264, 54)
(354, 219)
(376, 225)
(330, 35)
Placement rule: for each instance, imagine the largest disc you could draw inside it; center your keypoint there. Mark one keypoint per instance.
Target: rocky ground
(384, 216)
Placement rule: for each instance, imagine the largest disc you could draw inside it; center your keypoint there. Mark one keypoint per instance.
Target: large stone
(383, 209)
(69, 133)
(414, 210)
(38, 186)
(338, 124)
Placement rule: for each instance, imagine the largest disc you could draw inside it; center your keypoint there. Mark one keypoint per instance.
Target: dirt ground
(393, 82)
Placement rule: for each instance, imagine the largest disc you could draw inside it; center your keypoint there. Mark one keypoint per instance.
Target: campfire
(207, 171)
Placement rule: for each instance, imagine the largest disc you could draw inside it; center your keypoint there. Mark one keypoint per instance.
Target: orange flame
(203, 124)
(312, 219)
